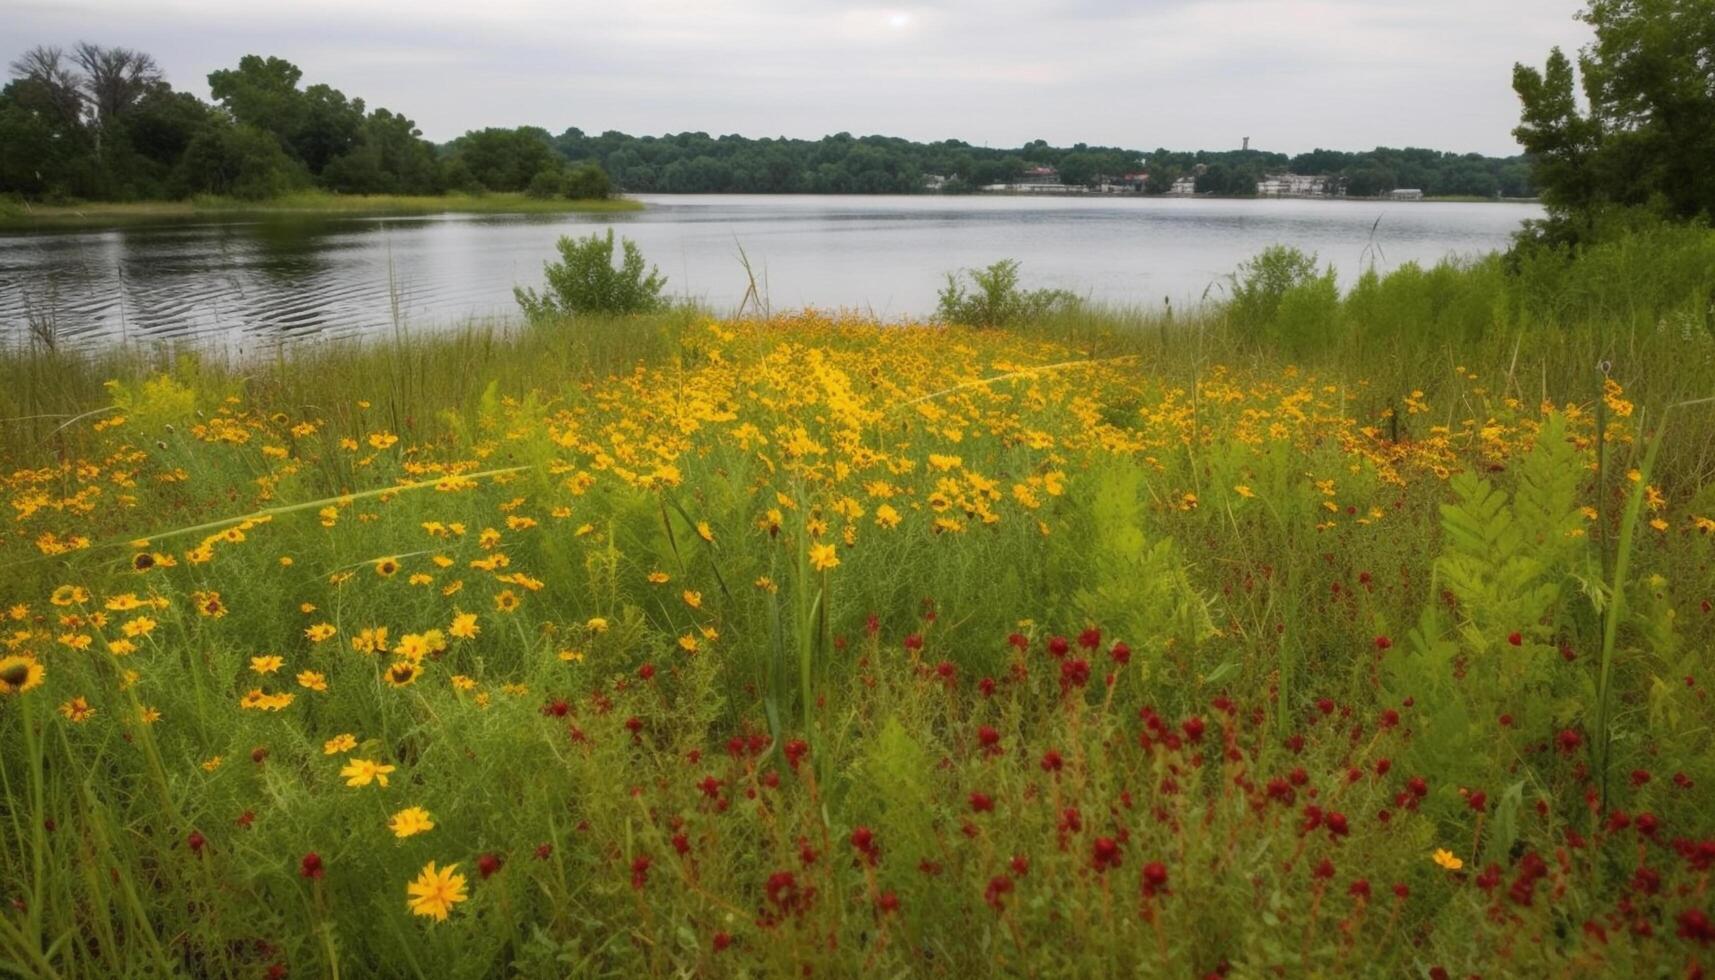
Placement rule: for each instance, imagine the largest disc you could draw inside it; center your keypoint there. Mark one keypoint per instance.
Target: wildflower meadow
(805, 645)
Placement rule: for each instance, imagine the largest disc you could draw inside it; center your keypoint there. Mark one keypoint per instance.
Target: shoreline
(27, 217)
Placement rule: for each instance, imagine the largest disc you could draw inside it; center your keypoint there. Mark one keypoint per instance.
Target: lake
(254, 283)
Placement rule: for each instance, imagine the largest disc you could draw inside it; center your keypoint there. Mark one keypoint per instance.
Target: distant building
(934, 182)
(1036, 180)
(1123, 184)
(1299, 185)
(1404, 194)
(1183, 187)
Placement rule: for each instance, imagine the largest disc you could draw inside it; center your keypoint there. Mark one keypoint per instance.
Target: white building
(1298, 185)
(1404, 194)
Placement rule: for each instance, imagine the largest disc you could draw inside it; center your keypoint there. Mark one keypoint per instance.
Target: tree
(1078, 169)
(34, 150)
(505, 159)
(57, 84)
(114, 79)
(261, 92)
(1648, 133)
(237, 160)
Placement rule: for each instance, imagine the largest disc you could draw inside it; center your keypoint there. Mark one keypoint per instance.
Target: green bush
(998, 300)
(546, 184)
(585, 280)
(587, 182)
(1258, 286)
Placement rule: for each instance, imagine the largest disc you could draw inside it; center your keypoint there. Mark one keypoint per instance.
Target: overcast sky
(1185, 74)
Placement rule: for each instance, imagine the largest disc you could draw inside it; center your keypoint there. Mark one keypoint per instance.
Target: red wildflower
(1104, 853)
(1074, 673)
(863, 840)
(311, 865)
(1154, 881)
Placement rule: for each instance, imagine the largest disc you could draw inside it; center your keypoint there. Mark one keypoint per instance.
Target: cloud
(1292, 74)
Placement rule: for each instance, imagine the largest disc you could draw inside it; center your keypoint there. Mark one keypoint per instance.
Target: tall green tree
(1646, 134)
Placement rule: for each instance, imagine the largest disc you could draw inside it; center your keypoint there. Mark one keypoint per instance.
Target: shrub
(998, 300)
(546, 184)
(585, 280)
(587, 182)
(1260, 284)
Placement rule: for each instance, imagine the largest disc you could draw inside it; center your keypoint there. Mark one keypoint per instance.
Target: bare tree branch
(47, 67)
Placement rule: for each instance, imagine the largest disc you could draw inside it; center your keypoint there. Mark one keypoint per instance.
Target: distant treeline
(844, 164)
(100, 123)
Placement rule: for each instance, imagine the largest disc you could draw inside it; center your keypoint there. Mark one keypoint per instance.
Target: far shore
(23, 216)
(1436, 199)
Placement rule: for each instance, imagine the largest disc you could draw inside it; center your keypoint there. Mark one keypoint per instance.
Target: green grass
(22, 216)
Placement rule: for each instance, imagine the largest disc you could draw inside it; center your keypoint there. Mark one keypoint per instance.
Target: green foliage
(587, 182)
(1138, 587)
(547, 183)
(237, 161)
(1508, 566)
(1280, 296)
(997, 299)
(504, 159)
(1647, 130)
(586, 281)
(843, 164)
(110, 128)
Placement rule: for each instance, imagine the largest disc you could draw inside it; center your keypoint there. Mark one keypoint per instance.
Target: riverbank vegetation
(1308, 632)
(22, 215)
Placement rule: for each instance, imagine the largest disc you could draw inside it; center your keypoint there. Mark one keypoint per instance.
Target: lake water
(255, 283)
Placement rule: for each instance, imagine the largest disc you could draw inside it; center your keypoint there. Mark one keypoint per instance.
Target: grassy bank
(1311, 634)
(22, 216)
